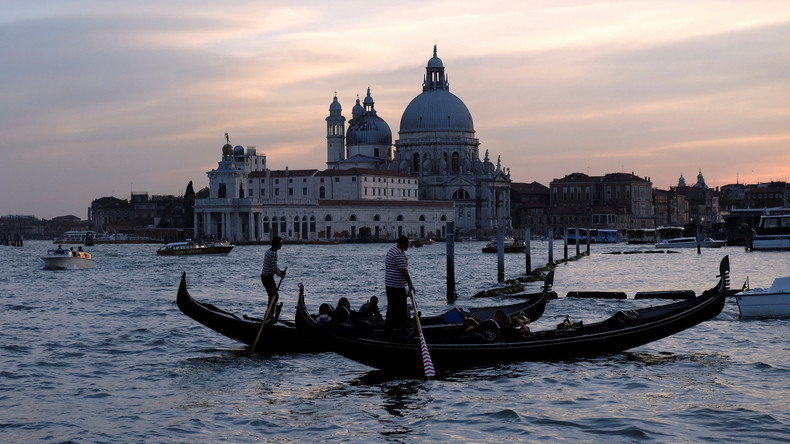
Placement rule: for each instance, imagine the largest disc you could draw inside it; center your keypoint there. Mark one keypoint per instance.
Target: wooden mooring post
(527, 251)
(551, 245)
(565, 243)
(578, 239)
(450, 241)
(500, 255)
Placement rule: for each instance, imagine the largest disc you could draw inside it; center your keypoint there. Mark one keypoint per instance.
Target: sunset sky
(101, 98)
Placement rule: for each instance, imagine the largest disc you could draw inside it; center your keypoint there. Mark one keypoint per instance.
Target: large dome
(436, 109)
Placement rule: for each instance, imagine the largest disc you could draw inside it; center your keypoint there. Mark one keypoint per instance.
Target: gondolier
(396, 279)
(270, 269)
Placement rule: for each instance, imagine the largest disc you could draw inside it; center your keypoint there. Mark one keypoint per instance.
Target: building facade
(369, 190)
(612, 201)
(250, 203)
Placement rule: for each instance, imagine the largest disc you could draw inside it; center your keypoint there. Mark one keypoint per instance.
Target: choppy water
(104, 355)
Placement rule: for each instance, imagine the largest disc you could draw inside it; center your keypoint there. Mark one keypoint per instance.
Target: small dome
(227, 149)
(368, 129)
(334, 107)
(238, 150)
(435, 62)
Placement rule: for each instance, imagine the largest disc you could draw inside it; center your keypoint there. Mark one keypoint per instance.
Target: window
(337, 179)
(276, 191)
(455, 163)
(415, 163)
(222, 191)
(353, 179)
(304, 191)
(290, 191)
(322, 193)
(276, 180)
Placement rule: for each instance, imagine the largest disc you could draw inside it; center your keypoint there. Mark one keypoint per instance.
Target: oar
(268, 311)
(427, 363)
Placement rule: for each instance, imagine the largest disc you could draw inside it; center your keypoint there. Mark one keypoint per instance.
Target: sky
(106, 98)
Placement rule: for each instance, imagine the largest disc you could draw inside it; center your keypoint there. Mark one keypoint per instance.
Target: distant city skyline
(102, 98)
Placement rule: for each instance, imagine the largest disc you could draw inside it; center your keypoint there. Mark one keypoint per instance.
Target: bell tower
(335, 135)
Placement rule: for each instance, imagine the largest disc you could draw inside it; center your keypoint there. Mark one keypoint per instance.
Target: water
(104, 355)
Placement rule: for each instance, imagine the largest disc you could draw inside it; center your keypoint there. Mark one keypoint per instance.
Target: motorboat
(597, 236)
(62, 259)
(622, 331)
(773, 301)
(511, 246)
(690, 242)
(773, 233)
(191, 247)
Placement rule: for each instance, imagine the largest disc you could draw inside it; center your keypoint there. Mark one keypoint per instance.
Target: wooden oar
(268, 311)
(427, 363)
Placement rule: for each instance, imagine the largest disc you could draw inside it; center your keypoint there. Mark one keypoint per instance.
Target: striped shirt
(270, 263)
(394, 263)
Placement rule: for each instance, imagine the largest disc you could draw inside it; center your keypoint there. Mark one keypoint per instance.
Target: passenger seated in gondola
(369, 314)
(343, 313)
(502, 327)
(325, 313)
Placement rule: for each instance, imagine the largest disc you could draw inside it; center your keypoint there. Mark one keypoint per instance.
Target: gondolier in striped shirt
(396, 279)
(270, 269)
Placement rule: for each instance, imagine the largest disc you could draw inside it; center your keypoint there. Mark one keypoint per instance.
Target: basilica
(371, 188)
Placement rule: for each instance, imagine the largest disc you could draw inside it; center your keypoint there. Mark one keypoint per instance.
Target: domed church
(372, 189)
(436, 144)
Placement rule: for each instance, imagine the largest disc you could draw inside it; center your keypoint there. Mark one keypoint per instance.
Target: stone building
(369, 190)
(612, 201)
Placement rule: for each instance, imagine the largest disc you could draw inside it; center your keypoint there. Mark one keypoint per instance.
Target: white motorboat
(690, 242)
(774, 230)
(61, 259)
(766, 302)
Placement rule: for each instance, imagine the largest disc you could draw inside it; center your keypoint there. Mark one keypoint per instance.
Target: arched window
(415, 163)
(282, 224)
(353, 218)
(399, 218)
(322, 193)
(266, 224)
(455, 163)
(312, 224)
(422, 218)
(461, 194)
(443, 218)
(328, 218)
(376, 218)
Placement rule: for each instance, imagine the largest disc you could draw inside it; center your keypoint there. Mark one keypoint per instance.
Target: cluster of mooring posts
(14, 240)
(514, 285)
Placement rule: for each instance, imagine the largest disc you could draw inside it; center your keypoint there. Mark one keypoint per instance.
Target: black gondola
(282, 336)
(623, 331)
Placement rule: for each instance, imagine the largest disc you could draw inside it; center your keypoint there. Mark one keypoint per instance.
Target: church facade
(371, 189)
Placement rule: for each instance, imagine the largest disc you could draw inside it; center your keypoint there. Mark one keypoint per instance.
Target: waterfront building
(613, 201)
(250, 203)
(368, 191)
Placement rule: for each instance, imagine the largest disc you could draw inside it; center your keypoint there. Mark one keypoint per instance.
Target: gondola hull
(283, 336)
(623, 331)
(280, 337)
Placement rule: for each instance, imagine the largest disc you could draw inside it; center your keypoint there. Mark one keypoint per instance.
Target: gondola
(624, 330)
(282, 336)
